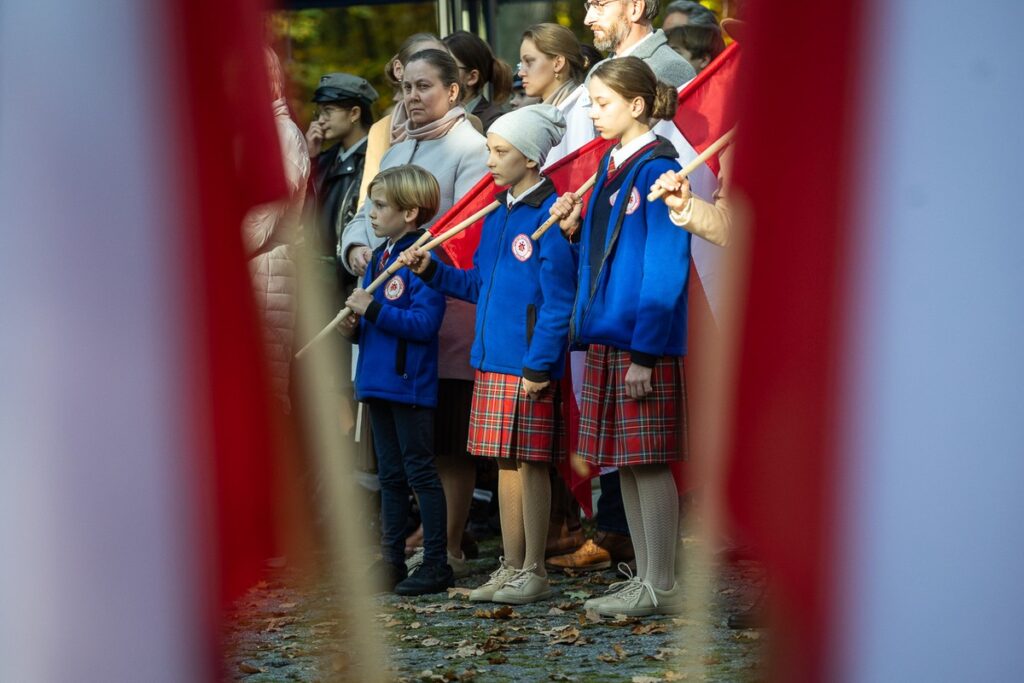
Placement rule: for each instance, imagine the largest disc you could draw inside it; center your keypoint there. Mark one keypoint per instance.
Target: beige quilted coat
(268, 232)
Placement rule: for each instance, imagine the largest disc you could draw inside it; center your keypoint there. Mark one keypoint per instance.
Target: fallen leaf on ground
(288, 605)
(555, 653)
(673, 676)
(648, 629)
(465, 651)
(430, 642)
(555, 611)
(646, 679)
(503, 612)
(456, 591)
(497, 659)
(276, 623)
(415, 625)
(249, 668)
(569, 636)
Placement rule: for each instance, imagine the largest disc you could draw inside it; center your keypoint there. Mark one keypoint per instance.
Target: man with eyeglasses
(625, 27)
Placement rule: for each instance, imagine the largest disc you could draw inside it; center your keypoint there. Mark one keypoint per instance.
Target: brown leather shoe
(599, 553)
(565, 542)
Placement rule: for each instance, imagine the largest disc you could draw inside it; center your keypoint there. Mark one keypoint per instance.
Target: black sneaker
(427, 578)
(384, 576)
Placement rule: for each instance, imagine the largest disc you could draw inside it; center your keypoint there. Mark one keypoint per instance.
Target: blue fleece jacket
(398, 335)
(638, 299)
(523, 290)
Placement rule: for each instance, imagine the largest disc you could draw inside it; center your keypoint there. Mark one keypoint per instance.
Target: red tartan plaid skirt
(503, 423)
(617, 431)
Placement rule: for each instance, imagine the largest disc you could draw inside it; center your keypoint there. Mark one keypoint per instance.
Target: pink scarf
(431, 131)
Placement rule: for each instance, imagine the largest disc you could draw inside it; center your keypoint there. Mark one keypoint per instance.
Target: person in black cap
(342, 123)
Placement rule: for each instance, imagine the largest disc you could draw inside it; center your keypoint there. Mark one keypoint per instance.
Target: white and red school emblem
(394, 288)
(522, 247)
(632, 205)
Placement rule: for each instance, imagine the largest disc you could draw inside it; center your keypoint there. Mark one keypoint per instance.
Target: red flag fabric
(782, 470)
(230, 161)
(706, 110)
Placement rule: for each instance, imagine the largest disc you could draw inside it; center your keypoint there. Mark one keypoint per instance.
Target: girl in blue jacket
(397, 376)
(630, 312)
(523, 291)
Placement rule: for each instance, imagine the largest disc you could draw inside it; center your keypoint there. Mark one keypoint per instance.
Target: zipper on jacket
(487, 302)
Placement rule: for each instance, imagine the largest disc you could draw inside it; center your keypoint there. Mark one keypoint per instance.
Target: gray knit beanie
(533, 130)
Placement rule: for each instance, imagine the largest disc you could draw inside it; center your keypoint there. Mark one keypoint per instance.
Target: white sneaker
(523, 588)
(499, 577)
(670, 601)
(591, 604)
(637, 599)
(459, 565)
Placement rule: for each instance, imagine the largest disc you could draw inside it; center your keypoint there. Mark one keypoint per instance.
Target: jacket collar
(646, 48)
(533, 199)
(406, 240)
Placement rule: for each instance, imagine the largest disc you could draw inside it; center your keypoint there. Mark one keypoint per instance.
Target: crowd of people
(459, 370)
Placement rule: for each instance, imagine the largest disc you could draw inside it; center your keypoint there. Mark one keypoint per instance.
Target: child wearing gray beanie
(533, 130)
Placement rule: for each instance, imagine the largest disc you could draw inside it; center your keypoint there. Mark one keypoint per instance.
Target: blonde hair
(409, 187)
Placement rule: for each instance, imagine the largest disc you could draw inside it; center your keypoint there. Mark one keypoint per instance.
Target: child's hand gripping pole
(397, 265)
(551, 221)
(657, 191)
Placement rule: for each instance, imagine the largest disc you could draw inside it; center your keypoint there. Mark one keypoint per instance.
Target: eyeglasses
(597, 7)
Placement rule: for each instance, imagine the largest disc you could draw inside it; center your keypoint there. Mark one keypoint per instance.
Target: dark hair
(591, 54)
(699, 41)
(555, 40)
(406, 50)
(365, 112)
(474, 53)
(697, 14)
(632, 78)
(445, 64)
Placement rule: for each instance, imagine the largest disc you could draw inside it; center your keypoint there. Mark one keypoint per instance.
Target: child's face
(506, 163)
(388, 220)
(612, 113)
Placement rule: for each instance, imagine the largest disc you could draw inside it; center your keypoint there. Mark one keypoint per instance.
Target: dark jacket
(638, 298)
(337, 193)
(523, 290)
(398, 335)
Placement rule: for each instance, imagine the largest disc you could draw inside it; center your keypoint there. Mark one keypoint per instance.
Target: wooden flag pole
(396, 266)
(551, 221)
(657, 192)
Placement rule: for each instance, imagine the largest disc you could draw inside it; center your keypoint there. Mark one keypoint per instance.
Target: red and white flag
(877, 442)
(134, 428)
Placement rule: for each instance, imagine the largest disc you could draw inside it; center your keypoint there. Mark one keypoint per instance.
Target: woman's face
(612, 113)
(538, 69)
(426, 98)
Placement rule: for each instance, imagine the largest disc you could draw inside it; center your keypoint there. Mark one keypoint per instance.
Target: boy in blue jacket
(524, 292)
(396, 375)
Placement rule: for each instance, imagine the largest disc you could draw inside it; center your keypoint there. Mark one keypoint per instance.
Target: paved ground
(286, 630)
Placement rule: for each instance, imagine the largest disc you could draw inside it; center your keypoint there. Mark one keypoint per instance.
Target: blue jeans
(403, 437)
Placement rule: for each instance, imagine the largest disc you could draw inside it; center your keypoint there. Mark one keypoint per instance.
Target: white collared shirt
(621, 154)
(348, 152)
(514, 200)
